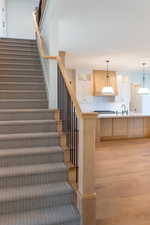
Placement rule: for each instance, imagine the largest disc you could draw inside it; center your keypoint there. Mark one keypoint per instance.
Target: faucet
(124, 109)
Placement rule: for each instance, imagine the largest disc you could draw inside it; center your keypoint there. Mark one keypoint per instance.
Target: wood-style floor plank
(123, 182)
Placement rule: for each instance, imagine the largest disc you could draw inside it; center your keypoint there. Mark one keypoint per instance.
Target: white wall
(49, 30)
(19, 19)
(3, 31)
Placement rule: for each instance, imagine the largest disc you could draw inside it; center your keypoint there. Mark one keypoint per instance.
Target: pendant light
(107, 90)
(143, 90)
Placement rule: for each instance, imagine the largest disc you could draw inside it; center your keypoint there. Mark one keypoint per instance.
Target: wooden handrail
(40, 39)
(61, 66)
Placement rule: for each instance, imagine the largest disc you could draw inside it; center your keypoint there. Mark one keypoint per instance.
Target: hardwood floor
(123, 182)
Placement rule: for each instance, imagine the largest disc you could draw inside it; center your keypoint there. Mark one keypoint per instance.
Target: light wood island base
(122, 128)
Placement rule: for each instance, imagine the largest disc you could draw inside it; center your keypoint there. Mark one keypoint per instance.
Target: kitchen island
(122, 126)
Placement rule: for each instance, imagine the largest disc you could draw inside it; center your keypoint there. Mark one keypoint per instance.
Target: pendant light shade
(143, 90)
(108, 89)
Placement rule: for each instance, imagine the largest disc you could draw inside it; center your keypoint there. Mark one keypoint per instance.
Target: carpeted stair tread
(17, 76)
(8, 39)
(60, 215)
(32, 169)
(22, 91)
(16, 45)
(19, 69)
(26, 114)
(20, 54)
(22, 83)
(12, 194)
(18, 58)
(30, 151)
(28, 135)
(24, 110)
(22, 100)
(17, 64)
(14, 48)
(22, 122)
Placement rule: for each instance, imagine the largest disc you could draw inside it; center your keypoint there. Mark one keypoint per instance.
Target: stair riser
(26, 116)
(28, 128)
(19, 55)
(35, 203)
(20, 60)
(34, 179)
(18, 41)
(21, 72)
(22, 86)
(20, 66)
(22, 95)
(19, 52)
(24, 105)
(18, 45)
(33, 159)
(29, 142)
(17, 49)
(22, 79)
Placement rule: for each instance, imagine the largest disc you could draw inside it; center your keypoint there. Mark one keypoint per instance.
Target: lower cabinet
(135, 127)
(147, 127)
(120, 127)
(123, 128)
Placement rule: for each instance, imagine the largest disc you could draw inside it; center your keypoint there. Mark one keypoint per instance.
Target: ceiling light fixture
(143, 90)
(108, 89)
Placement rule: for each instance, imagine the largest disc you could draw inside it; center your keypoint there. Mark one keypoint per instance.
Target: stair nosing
(25, 110)
(30, 151)
(22, 122)
(23, 83)
(22, 91)
(20, 59)
(24, 100)
(28, 135)
(22, 76)
(36, 217)
(18, 49)
(18, 64)
(32, 169)
(17, 39)
(41, 190)
(19, 53)
(23, 70)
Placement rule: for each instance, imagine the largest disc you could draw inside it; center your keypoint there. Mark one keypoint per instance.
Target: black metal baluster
(69, 120)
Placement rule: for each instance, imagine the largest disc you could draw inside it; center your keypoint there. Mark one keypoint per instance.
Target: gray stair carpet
(34, 187)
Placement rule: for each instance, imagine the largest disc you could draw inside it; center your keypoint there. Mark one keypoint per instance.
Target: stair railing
(80, 129)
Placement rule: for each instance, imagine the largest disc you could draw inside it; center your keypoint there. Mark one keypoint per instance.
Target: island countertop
(120, 115)
(118, 126)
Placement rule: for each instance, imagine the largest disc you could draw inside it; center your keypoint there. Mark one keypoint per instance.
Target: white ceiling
(92, 31)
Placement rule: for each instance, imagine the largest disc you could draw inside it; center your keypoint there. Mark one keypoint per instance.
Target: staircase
(33, 177)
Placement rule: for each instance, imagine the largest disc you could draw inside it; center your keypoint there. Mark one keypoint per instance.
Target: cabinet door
(120, 127)
(147, 127)
(135, 127)
(99, 81)
(106, 127)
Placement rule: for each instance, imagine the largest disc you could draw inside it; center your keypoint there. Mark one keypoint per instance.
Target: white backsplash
(90, 103)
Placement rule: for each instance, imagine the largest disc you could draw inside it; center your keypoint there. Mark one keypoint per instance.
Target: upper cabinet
(99, 81)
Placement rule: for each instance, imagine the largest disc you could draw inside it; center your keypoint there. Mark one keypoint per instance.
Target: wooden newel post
(86, 190)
